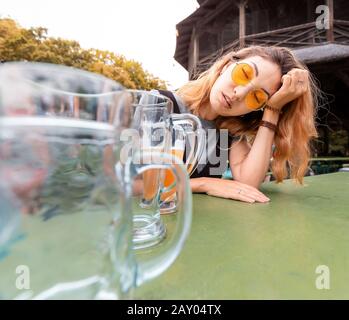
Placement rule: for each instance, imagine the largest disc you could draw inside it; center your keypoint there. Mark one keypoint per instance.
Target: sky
(143, 30)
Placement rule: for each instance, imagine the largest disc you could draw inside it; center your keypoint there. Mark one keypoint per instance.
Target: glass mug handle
(141, 162)
(197, 147)
(192, 121)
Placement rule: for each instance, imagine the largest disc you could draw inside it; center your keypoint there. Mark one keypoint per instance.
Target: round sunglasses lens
(242, 74)
(255, 99)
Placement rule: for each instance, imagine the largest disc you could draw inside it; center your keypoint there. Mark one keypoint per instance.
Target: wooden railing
(304, 35)
(341, 31)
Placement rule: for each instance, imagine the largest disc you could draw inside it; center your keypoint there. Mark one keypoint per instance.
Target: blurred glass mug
(155, 123)
(60, 142)
(9, 218)
(187, 141)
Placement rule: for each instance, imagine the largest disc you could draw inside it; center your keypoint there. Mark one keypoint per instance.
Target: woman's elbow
(249, 180)
(247, 177)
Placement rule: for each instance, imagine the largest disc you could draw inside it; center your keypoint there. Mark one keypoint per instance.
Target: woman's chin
(233, 111)
(225, 111)
(222, 110)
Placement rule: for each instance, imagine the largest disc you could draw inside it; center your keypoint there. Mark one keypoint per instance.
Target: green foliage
(20, 44)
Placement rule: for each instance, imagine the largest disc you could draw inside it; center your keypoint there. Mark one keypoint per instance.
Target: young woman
(267, 101)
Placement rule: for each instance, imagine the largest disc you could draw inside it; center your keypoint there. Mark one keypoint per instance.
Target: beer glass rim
(63, 69)
(167, 101)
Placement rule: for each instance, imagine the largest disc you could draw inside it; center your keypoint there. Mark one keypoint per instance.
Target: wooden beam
(294, 37)
(278, 31)
(193, 53)
(242, 23)
(274, 36)
(329, 32)
(276, 43)
(223, 6)
(342, 33)
(341, 22)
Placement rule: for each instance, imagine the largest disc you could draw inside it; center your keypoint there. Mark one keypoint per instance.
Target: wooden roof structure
(219, 26)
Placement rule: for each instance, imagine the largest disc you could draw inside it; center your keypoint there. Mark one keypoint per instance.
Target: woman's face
(228, 98)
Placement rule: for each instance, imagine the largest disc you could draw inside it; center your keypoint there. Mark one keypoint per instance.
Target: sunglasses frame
(250, 83)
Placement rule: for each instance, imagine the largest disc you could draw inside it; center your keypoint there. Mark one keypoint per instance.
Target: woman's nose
(240, 92)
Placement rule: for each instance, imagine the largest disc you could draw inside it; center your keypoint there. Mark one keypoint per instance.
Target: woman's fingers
(245, 198)
(259, 198)
(245, 194)
(286, 81)
(286, 78)
(253, 191)
(248, 197)
(299, 79)
(294, 83)
(235, 190)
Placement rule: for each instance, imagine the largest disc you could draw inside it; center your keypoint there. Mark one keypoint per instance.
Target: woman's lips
(228, 106)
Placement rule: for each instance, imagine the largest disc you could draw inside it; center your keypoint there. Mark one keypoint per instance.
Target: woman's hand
(229, 189)
(294, 84)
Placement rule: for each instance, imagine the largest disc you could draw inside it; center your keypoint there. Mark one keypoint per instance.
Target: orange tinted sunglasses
(242, 74)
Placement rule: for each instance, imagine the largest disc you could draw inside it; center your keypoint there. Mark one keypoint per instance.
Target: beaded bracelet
(266, 106)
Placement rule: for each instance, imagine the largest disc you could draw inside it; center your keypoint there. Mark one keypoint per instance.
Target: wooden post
(196, 52)
(193, 53)
(329, 32)
(242, 23)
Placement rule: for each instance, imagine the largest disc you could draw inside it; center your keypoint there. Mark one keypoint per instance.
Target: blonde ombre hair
(296, 126)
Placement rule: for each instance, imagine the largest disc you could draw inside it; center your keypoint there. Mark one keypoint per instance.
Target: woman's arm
(229, 189)
(250, 165)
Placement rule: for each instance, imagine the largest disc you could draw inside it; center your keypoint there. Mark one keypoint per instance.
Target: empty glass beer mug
(60, 145)
(167, 195)
(154, 124)
(187, 142)
(9, 218)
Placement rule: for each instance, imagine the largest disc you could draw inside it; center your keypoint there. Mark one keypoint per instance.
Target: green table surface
(263, 251)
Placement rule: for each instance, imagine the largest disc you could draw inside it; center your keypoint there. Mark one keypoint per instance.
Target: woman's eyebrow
(256, 69)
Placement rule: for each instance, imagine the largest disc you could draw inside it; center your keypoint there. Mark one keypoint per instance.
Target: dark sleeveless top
(207, 169)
